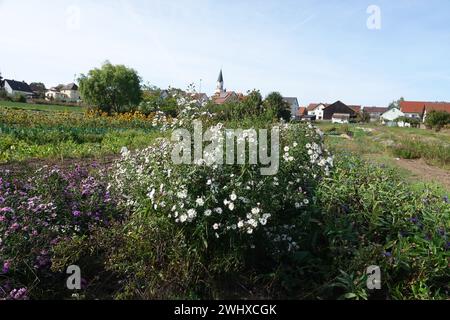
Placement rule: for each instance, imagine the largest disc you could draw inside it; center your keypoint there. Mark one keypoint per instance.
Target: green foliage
(153, 100)
(437, 120)
(39, 89)
(396, 104)
(363, 117)
(404, 232)
(274, 104)
(415, 123)
(19, 98)
(112, 88)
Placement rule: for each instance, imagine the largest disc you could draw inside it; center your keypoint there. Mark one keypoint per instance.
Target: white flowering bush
(227, 207)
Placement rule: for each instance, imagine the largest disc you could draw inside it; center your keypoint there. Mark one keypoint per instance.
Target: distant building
(413, 109)
(222, 96)
(390, 116)
(338, 108)
(375, 112)
(357, 109)
(341, 118)
(13, 88)
(64, 93)
(293, 103)
(201, 98)
(420, 109)
(316, 109)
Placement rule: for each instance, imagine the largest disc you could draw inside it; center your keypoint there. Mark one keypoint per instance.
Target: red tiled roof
(225, 97)
(356, 108)
(302, 111)
(313, 106)
(439, 106)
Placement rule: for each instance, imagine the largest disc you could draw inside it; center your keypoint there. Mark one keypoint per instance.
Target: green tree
(437, 120)
(39, 89)
(155, 99)
(363, 117)
(276, 106)
(112, 88)
(252, 103)
(396, 104)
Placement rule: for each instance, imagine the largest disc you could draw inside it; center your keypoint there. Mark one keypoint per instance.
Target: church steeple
(220, 83)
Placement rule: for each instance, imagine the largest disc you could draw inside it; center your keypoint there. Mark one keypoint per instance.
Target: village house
(357, 109)
(341, 118)
(293, 103)
(437, 106)
(375, 113)
(420, 109)
(340, 108)
(316, 110)
(14, 88)
(201, 98)
(64, 93)
(389, 117)
(413, 109)
(324, 111)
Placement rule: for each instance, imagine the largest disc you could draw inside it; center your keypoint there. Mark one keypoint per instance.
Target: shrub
(437, 120)
(19, 98)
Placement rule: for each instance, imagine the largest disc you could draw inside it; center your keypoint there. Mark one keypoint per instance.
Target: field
(39, 134)
(39, 107)
(419, 155)
(103, 193)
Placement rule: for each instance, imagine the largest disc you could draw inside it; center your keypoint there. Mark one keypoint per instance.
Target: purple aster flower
(7, 209)
(76, 213)
(6, 266)
(15, 226)
(446, 200)
(414, 220)
(387, 254)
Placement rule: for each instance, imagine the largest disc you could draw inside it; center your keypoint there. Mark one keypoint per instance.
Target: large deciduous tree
(112, 88)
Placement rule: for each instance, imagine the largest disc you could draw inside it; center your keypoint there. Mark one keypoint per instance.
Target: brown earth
(426, 172)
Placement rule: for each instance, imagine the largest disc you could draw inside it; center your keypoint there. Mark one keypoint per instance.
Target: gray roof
(220, 79)
(291, 100)
(19, 86)
(70, 86)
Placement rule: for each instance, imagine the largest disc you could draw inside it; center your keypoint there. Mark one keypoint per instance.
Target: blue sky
(316, 50)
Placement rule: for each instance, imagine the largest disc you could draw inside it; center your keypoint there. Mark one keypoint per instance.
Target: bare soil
(426, 172)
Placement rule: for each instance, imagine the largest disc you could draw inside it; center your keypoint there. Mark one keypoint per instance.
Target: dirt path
(426, 172)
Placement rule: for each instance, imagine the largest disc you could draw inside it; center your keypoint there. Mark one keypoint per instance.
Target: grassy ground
(419, 155)
(38, 107)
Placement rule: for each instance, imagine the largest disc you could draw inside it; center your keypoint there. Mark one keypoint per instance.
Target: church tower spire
(220, 84)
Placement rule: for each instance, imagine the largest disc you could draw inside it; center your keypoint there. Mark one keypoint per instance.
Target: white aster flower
(200, 202)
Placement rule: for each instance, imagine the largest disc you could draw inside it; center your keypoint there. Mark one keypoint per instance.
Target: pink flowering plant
(37, 213)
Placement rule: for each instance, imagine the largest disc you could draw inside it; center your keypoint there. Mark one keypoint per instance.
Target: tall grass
(436, 153)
